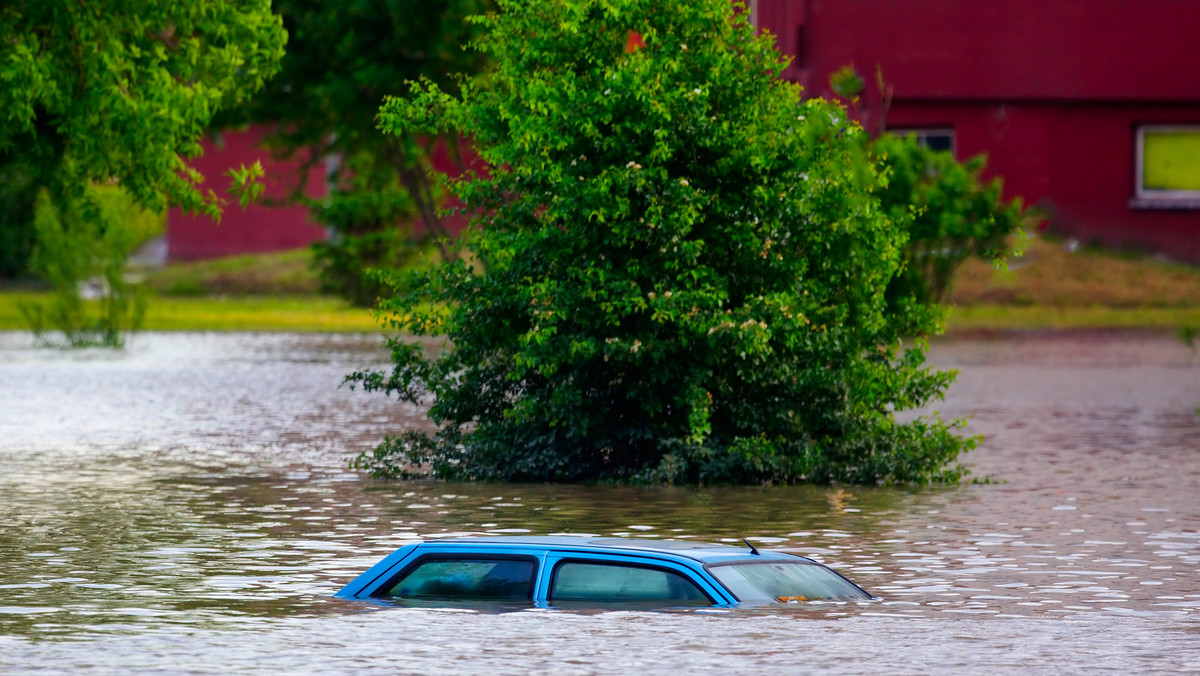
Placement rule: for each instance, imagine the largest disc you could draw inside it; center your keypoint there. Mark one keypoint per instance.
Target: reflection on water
(195, 486)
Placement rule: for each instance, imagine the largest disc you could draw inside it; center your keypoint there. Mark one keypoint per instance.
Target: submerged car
(596, 571)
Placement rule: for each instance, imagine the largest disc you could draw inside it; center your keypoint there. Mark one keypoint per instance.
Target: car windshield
(785, 581)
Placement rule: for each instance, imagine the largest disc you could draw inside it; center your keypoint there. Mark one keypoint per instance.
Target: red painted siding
(462, 159)
(1052, 91)
(254, 229)
(1015, 49)
(263, 227)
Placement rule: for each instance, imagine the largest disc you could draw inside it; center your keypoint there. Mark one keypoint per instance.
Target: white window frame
(1145, 198)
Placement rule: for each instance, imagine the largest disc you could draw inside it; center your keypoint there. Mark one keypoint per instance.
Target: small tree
(86, 246)
(954, 213)
(951, 212)
(681, 268)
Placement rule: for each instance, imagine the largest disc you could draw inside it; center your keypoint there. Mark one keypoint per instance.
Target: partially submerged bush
(682, 269)
(81, 251)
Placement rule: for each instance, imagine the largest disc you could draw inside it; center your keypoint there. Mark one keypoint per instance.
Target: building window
(934, 139)
(1168, 167)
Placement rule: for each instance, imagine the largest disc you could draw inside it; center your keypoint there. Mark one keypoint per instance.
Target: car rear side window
(465, 578)
(606, 582)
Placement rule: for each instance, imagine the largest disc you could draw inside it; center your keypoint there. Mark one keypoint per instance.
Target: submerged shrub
(83, 244)
(680, 267)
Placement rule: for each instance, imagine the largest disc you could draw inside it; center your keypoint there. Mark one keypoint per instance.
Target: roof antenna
(715, 513)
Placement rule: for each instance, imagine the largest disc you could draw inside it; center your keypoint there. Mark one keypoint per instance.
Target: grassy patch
(287, 273)
(10, 314)
(1049, 275)
(1049, 288)
(246, 313)
(1010, 317)
(1055, 287)
(261, 313)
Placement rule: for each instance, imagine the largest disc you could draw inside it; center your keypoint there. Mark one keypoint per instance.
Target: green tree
(121, 91)
(116, 93)
(955, 214)
(342, 58)
(951, 212)
(681, 267)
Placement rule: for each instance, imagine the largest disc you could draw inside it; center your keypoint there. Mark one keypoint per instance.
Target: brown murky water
(184, 506)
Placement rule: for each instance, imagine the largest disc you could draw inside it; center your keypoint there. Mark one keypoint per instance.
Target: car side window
(466, 578)
(603, 582)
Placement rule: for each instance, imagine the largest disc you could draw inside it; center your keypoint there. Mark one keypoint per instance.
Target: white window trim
(1160, 199)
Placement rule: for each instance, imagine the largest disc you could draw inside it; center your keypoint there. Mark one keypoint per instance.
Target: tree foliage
(342, 59)
(112, 90)
(682, 268)
(17, 195)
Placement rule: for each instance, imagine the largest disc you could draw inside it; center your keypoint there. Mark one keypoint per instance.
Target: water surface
(186, 502)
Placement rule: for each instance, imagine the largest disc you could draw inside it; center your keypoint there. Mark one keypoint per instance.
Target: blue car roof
(705, 552)
(686, 554)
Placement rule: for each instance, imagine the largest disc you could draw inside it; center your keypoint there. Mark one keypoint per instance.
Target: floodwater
(184, 506)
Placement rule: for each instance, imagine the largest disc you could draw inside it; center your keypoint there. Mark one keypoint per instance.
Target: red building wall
(1013, 49)
(1053, 91)
(270, 225)
(257, 228)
